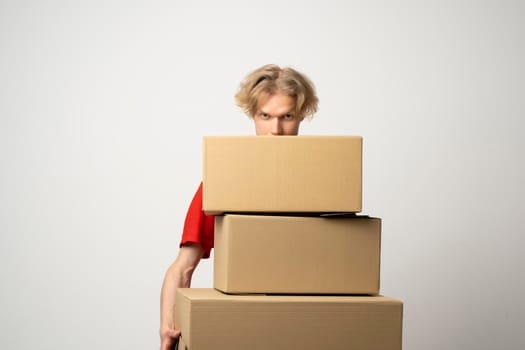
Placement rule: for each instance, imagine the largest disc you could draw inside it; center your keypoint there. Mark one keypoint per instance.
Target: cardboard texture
(243, 174)
(210, 319)
(182, 345)
(297, 255)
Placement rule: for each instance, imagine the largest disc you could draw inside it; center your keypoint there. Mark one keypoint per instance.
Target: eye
(264, 116)
(288, 117)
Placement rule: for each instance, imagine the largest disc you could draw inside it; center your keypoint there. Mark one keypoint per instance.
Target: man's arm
(178, 276)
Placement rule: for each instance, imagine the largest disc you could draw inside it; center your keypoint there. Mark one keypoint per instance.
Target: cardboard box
(210, 319)
(282, 174)
(297, 255)
(182, 345)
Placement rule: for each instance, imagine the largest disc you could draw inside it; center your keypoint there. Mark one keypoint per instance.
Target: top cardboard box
(282, 174)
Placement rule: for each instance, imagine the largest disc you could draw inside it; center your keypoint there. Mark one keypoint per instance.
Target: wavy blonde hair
(270, 79)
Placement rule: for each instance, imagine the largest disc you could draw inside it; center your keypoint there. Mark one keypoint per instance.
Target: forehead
(276, 103)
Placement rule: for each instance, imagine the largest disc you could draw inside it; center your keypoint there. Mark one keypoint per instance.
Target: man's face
(275, 115)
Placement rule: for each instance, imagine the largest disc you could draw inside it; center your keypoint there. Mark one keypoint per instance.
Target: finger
(174, 333)
(167, 344)
(169, 340)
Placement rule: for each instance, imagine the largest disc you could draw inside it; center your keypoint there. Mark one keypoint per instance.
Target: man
(277, 100)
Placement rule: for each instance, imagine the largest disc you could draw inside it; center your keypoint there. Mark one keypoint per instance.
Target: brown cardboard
(210, 319)
(297, 255)
(182, 345)
(282, 174)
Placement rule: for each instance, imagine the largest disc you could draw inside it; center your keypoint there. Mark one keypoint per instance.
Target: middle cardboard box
(297, 254)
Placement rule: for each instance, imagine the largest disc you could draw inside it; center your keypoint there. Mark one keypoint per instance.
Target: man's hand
(168, 338)
(178, 276)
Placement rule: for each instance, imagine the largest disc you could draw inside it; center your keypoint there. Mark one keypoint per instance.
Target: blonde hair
(271, 79)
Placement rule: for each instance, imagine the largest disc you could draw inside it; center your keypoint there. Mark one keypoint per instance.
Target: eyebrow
(290, 111)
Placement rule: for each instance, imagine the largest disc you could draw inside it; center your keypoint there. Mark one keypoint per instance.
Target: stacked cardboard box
(290, 270)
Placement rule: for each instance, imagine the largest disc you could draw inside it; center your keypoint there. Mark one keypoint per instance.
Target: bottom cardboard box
(209, 319)
(182, 345)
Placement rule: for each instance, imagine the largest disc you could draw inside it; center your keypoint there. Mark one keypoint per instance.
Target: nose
(276, 127)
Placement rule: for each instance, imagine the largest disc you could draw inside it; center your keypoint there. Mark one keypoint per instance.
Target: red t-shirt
(198, 227)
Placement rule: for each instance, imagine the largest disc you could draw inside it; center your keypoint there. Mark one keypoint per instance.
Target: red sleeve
(198, 227)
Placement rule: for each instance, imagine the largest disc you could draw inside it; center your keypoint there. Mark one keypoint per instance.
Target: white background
(103, 105)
